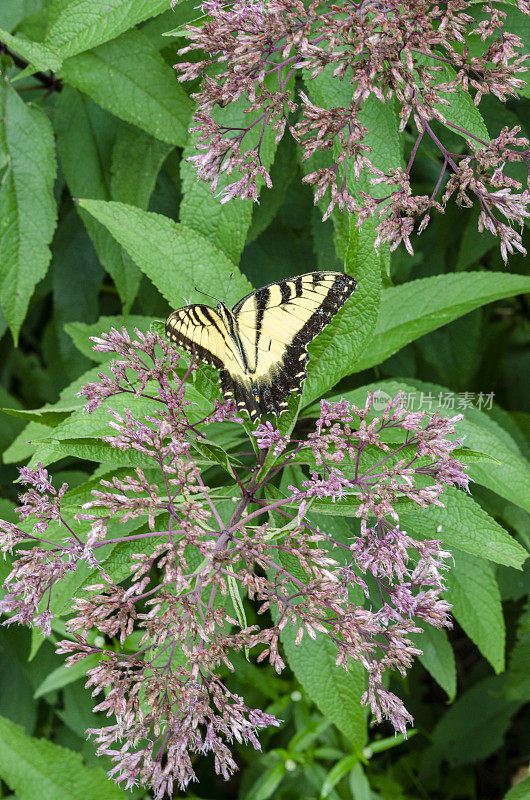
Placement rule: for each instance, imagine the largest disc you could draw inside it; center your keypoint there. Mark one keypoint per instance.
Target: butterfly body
(260, 346)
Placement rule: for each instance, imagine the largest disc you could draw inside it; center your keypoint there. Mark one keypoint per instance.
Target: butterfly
(260, 346)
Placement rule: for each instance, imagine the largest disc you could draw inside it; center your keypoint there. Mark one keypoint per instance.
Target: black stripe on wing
(243, 396)
(291, 371)
(296, 356)
(341, 289)
(185, 328)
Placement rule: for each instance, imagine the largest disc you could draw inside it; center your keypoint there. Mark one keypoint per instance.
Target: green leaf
(417, 307)
(40, 56)
(81, 125)
(75, 292)
(27, 205)
(215, 454)
(521, 791)
(88, 448)
(38, 768)
(80, 425)
(383, 138)
(344, 339)
(476, 600)
(174, 257)
(11, 15)
(461, 110)
(81, 434)
(337, 772)
(224, 225)
(136, 161)
(359, 783)
(267, 783)
(519, 23)
(84, 24)
(63, 675)
(150, 97)
(80, 332)
(30, 437)
(518, 677)
(474, 726)
(463, 524)
(51, 416)
(337, 693)
(467, 456)
(23, 445)
(438, 657)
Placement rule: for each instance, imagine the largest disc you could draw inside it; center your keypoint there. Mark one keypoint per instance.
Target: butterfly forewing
(277, 322)
(199, 329)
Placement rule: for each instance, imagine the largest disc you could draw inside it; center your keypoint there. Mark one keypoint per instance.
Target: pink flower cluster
(414, 54)
(191, 556)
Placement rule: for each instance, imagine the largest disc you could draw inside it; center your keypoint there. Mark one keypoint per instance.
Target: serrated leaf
(518, 676)
(344, 339)
(23, 445)
(461, 111)
(27, 205)
(437, 657)
(336, 693)
(30, 437)
(224, 225)
(463, 524)
(40, 56)
(153, 99)
(85, 24)
(176, 258)
(476, 600)
(136, 161)
(46, 416)
(38, 768)
(80, 332)
(80, 124)
(75, 291)
(215, 454)
(467, 456)
(63, 675)
(417, 307)
(337, 772)
(474, 725)
(380, 119)
(90, 448)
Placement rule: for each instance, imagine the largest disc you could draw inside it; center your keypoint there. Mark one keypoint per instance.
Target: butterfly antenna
(206, 294)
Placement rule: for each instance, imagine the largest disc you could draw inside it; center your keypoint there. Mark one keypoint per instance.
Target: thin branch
(50, 81)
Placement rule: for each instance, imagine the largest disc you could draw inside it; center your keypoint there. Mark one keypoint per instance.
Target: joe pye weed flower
(413, 56)
(192, 558)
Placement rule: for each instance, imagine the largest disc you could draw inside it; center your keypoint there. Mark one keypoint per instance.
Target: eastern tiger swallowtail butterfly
(260, 346)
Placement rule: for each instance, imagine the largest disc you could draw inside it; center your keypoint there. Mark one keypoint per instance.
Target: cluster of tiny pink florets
(167, 698)
(414, 54)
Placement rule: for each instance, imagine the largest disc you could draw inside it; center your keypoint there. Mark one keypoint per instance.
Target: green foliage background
(102, 222)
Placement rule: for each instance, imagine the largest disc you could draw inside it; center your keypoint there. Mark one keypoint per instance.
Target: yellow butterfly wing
(276, 323)
(260, 348)
(199, 329)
